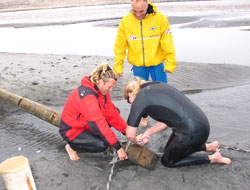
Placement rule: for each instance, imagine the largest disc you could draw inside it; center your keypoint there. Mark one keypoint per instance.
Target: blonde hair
(139, 0)
(133, 87)
(103, 72)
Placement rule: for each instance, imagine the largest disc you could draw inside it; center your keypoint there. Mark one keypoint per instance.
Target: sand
(48, 79)
(220, 90)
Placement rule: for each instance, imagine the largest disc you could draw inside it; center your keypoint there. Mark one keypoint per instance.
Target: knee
(102, 146)
(167, 163)
(97, 147)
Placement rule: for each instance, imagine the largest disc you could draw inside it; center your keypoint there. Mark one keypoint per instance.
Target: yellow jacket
(149, 41)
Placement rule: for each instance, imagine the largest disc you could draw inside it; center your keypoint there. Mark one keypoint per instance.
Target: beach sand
(220, 90)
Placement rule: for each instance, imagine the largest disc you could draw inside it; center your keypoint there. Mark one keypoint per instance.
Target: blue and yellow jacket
(149, 41)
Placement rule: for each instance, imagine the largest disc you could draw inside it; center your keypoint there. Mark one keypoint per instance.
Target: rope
(127, 145)
(115, 159)
(113, 162)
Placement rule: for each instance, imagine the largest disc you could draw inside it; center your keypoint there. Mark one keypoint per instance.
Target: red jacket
(87, 109)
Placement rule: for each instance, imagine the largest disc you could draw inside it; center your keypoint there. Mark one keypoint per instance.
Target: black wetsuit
(189, 124)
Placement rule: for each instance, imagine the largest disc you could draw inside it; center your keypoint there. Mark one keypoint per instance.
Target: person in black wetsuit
(171, 108)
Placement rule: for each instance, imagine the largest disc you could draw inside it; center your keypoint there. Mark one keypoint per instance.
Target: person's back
(166, 104)
(170, 108)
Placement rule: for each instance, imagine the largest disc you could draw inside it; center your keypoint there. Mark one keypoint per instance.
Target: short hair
(103, 72)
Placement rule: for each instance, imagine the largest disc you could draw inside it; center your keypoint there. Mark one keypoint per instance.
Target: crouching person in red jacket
(88, 114)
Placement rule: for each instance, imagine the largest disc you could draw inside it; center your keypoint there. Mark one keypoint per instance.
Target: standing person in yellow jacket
(146, 34)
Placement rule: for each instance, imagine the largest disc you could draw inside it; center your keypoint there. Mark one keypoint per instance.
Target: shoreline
(29, 5)
(178, 12)
(31, 71)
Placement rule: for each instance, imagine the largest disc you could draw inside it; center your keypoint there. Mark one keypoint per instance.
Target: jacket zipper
(142, 45)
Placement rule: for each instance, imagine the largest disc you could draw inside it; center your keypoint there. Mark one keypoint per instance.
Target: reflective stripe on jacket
(149, 41)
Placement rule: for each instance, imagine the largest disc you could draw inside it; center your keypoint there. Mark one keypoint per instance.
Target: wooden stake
(17, 174)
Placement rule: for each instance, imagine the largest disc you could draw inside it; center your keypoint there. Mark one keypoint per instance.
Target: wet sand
(220, 90)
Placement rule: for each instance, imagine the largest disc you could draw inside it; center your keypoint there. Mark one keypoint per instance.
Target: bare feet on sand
(218, 158)
(213, 147)
(72, 154)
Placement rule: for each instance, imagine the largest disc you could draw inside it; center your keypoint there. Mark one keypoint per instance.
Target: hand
(120, 75)
(142, 139)
(122, 154)
(167, 71)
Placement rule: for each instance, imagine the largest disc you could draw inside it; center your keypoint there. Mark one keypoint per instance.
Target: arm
(120, 49)
(159, 126)
(113, 116)
(145, 137)
(97, 122)
(115, 120)
(131, 133)
(167, 46)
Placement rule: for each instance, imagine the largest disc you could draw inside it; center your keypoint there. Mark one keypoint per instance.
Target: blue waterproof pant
(156, 72)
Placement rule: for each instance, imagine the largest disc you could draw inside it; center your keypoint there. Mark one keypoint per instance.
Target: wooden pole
(34, 108)
(136, 154)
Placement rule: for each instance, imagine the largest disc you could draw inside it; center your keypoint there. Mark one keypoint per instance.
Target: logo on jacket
(82, 93)
(152, 28)
(168, 31)
(132, 37)
(154, 36)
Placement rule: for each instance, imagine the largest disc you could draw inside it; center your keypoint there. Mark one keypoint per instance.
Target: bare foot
(72, 154)
(213, 147)
(144, 122)
(218, 158)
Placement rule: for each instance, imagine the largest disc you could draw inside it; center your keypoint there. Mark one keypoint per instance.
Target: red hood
(86, 82)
